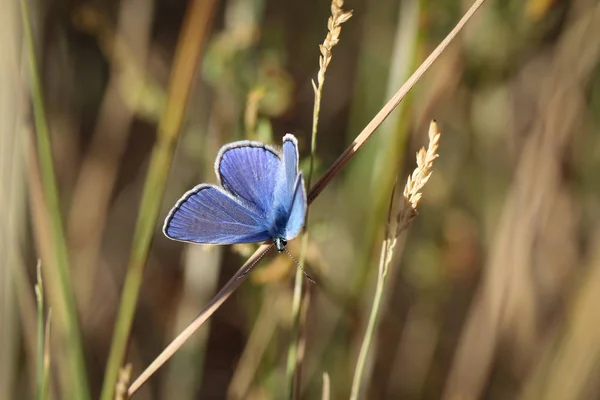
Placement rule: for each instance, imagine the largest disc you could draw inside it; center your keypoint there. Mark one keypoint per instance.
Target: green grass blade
(58, 266)
(188, 52)
(45, 381)
(39, 296)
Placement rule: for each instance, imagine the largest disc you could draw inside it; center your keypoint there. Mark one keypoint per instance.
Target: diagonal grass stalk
(189, 49)
(238, 278)
(58, 266)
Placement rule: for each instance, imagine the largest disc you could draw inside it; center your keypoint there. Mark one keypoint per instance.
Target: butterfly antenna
(256, 261)
(300, 266)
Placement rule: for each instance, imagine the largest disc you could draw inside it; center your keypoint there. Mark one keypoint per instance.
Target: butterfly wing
(287, 213)
(297, 210)
(207, 214)
(290, 194)
(249, 171)
(287, 175)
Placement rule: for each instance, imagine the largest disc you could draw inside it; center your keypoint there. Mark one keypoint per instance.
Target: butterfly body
(280, 243)
(261, 196)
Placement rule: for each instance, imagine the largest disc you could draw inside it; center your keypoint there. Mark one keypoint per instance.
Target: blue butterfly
(261, 196)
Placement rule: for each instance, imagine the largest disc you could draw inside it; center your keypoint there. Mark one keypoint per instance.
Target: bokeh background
(496, 289)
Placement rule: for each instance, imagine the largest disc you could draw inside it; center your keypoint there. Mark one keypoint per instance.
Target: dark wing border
(241, 143)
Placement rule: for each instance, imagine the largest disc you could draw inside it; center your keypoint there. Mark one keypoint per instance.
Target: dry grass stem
(236, 281)
(123, 383)
(295, 355)
(326, 392)
(334, 25)
(74, 377)
(408, 211)
(46, 359)
(366, 133)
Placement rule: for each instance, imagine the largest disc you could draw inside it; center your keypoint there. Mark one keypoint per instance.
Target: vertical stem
(337, 18)
(39, 296)
(45, 381)
(12, 200)
(313, 139)
(58, 265)
(189, 48)
(293, 362)
(368, 338)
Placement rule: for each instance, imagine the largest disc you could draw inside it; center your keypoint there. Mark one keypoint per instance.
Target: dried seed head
(334, 25)
(417, 180)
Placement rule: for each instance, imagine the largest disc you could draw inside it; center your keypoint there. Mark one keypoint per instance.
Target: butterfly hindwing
(297, 210)
(287, 174)
(207, 214)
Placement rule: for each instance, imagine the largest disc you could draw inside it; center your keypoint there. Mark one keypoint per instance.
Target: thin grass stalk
(368, 338)
(382, 275)
(123, 382)
(43, 339)
(292, 365)
(28, 306)
(326, 391)
(45, 390)
(12, 201)
(294, 361)
(27, 310)
(188, 52)
(408, 211)
(77, 386)
(314, 192)
(236, 281)
(39, 297)
(368, 131)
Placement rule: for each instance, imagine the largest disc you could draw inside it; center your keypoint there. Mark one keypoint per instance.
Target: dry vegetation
(490, 293)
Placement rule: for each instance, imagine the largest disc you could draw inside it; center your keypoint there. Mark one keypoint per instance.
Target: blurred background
(495, 292)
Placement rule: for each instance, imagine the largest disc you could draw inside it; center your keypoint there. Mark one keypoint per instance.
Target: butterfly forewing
(207, 214)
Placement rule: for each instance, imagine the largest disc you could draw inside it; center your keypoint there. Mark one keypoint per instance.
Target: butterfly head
(280, 243)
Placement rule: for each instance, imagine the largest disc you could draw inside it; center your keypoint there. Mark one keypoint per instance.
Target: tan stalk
(295, 357)
(408, 211)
